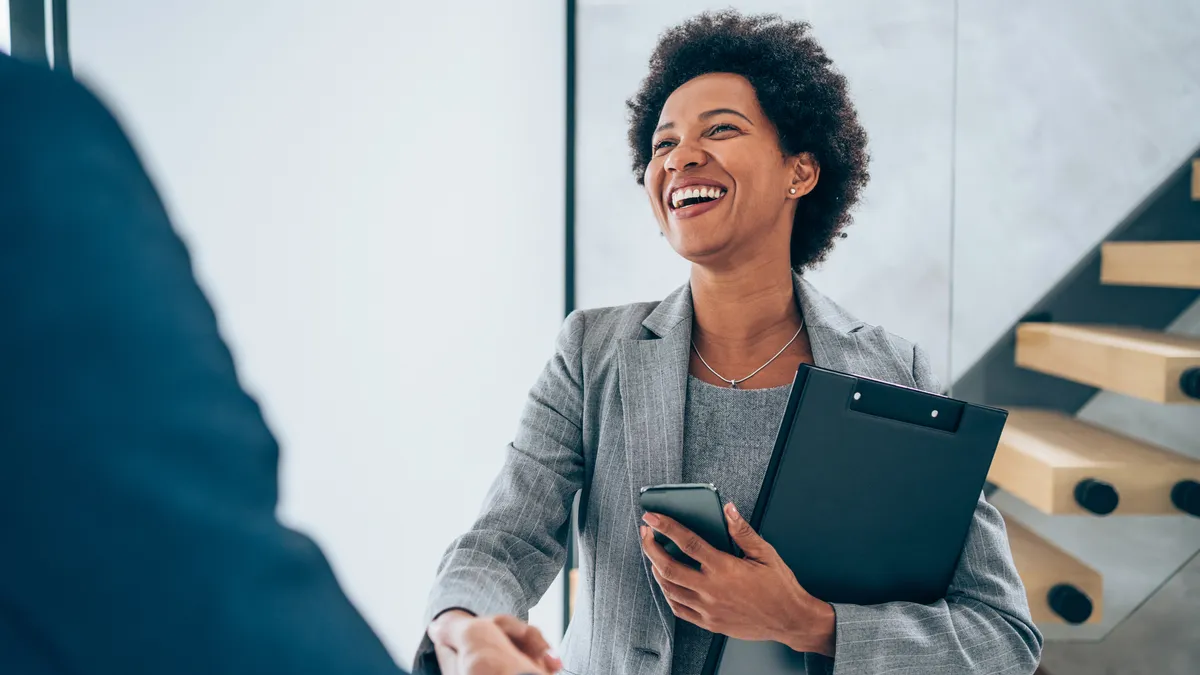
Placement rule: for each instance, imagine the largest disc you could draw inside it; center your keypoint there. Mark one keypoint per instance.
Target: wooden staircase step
(1166, 264)
(573, 585)
(1062, 465)
(1060, 588)
(1144, 364)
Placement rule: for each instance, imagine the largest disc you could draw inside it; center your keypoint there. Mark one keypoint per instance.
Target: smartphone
(696, 506)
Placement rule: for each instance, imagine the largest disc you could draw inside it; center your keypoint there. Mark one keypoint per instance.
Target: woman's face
(717, 180)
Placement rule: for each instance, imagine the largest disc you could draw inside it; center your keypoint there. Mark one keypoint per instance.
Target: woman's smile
(691, 197)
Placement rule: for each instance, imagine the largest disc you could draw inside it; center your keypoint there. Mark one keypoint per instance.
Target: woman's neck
(744, 306)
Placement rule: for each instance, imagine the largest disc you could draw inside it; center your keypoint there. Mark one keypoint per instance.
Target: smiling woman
(752, 156)
(787, 101)
(699, 150)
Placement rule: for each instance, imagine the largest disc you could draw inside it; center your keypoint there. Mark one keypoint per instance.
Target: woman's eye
(667, 144)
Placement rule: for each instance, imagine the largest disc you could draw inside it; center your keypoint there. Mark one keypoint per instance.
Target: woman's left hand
(752, 598)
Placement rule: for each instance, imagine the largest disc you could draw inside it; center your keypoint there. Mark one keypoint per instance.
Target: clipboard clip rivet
(857, 395)
(933, 414)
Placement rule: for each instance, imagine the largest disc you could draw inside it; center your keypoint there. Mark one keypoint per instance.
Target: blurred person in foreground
(752, 156)
(138, 480)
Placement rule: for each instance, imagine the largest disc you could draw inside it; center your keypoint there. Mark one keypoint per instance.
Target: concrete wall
(372, 191)
(1069, 113)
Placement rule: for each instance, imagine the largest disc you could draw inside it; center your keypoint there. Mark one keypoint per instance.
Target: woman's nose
(685, 156)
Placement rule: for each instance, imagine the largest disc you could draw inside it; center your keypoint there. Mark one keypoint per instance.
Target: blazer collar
(674, 310)
(820, 313)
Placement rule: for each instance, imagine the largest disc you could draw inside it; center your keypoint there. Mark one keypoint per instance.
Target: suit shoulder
(48, 99)
(616, 322)
(51, 123)
(596, 332)
(916, 360)
(901, 345)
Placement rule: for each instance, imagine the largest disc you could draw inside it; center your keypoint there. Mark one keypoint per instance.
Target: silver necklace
(733, 384)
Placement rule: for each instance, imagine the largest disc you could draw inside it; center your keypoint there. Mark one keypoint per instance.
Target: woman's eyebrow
(706, 115)
(723, 111)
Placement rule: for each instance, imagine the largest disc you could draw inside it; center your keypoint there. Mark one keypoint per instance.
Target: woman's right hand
(498, 645)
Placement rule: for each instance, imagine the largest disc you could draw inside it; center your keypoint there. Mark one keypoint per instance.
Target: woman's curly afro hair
(800, 92)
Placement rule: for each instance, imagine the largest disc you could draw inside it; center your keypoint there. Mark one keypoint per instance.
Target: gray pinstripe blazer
(606, 417)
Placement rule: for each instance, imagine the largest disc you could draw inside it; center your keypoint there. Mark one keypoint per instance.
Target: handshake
(498, 645)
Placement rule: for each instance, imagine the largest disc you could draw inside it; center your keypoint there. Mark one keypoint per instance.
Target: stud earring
(792, 191)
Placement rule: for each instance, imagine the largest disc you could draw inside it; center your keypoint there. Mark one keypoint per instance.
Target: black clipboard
(868, 497)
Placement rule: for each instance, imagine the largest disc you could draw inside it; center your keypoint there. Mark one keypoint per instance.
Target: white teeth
(706, 192)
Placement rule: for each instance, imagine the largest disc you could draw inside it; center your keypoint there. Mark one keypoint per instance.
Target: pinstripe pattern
(606, 417)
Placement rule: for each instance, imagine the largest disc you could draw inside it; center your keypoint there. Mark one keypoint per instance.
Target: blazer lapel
(653, 384)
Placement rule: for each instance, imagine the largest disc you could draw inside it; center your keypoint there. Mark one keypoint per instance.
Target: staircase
(1101, 329)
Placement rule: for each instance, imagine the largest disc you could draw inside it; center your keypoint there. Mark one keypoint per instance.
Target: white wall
(372, 192)
(5, 36)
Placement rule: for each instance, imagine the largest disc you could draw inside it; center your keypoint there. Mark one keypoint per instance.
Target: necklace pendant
(733, 384)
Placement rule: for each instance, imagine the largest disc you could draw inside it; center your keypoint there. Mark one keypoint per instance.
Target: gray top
(728, 436)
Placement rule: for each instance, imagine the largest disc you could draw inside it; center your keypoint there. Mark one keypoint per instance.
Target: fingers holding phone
(697, 508)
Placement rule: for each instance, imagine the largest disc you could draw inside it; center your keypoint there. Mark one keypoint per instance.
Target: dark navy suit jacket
(138, 481)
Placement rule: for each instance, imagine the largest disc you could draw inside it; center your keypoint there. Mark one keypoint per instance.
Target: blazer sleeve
(516, 547)
(982, 626)
(137, 478)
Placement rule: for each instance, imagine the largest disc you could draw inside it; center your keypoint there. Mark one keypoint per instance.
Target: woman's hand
(498, 645)
(751, 598)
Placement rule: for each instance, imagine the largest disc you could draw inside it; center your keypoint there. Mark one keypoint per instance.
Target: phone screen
(697, 507)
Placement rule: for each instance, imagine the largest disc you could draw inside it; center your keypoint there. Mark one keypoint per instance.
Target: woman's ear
(805, 173)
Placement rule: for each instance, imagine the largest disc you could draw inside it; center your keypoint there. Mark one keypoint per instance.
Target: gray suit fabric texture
(605, 418)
